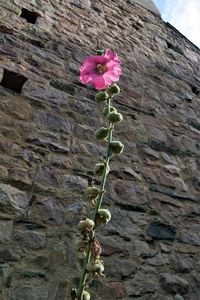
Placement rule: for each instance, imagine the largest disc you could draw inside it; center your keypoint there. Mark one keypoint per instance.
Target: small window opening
(30, 16)
(13, 81)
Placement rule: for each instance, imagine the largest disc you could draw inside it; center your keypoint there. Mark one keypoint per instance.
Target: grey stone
(160, 231)
(5, 230)
(30, 239)
(129, 193)
(137, 287)
(181, 264)
(142, 249)
(178, 297)
(13, 202)
(180, 185)
(174, 284)
(172, 169)
(121, 268)
(50, 210)
(172, 193)
(30, 293)
(190, 237)
(9, 255)
(62, 86)
(7, 275)
(85, 4)
(158, 260)
(74, 183)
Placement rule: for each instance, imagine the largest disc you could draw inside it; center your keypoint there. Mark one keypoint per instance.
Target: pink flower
(101, 70)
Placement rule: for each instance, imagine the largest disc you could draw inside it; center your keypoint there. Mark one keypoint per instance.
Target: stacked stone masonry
(151, 248)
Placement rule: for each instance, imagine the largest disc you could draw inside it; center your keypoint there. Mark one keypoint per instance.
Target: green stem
(98, 206)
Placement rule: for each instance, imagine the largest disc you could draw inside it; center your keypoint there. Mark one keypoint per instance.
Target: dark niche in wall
(13, 81)
(29, 15)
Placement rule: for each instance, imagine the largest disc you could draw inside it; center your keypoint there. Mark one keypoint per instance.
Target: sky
(184, 15)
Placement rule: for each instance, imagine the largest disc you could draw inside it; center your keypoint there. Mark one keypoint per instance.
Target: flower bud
(101, 97)
(101, 133)
(95, 267)
(85, 226)
(91, 192)
(98, 267)
(116, 147)
(86, 295)
(113, 90)
(103, 216)
(114, 117)
(99, 169)
(106, 110)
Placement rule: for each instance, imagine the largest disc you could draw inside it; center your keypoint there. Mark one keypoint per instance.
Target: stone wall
(149, 4)
(47, 152)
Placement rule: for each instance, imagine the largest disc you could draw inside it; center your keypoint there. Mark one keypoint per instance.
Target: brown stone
(113, 290)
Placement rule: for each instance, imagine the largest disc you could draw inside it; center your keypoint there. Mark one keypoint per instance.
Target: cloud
(185, 16)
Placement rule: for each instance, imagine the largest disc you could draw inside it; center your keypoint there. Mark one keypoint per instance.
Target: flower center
(101, 68)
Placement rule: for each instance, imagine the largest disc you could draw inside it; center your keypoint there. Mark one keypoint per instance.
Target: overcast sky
(183, 15)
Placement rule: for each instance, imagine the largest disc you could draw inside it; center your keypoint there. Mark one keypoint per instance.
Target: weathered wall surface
(149, 4)
(47, 151)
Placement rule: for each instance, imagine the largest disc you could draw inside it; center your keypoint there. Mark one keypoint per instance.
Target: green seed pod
(106, 110)
(113, 90)
(103, 216)
(101, 133)
(91, 192)
(85, 226)
(86, 295)
(99, 168)
(101, 97)
(116, 147)
(114, 117)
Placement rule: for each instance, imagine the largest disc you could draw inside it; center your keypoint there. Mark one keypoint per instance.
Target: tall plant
(102, 71)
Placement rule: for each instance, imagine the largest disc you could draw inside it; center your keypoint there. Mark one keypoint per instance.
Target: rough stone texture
(146, 3)
(151, 247)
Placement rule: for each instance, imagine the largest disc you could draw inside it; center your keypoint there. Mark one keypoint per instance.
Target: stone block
(13, 202)
(5, 230)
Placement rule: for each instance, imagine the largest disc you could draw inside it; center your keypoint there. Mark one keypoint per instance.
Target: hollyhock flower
(101, 70)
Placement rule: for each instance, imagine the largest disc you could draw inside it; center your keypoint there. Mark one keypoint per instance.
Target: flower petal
(111, 55)
(99, 82)
(110, 77)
